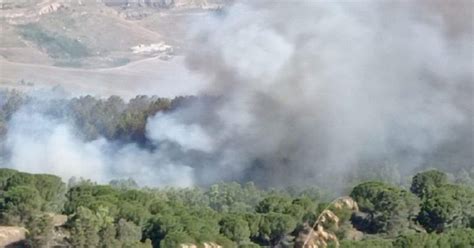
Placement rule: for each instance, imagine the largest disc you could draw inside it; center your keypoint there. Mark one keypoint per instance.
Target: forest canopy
(120, 214)
(103, 136)
(431, 209)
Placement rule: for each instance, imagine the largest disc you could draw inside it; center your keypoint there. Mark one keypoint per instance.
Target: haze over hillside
(288, 92)
(56, 42)
(237, 123)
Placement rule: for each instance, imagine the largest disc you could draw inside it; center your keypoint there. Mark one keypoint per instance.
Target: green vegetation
(451, 206)
(435, 212)
(56, 45)
(453, 238)
(425, 183)
(112, 118)
(390, 210)
(230, 214)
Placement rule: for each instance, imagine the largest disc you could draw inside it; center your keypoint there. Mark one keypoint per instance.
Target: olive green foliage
(275, 204)
(236, 228)
(424, 183)
(127, 232)
(112, 118)
(26, 194)
(389, 209)
(85, 225)
(456, 238)
(5, 174)
(274, 227)
(228, 214)
(40, 230)
(230, 197)
(372, 243)
(459, 238)
(20, 201)
(51, 190)
(450, 206)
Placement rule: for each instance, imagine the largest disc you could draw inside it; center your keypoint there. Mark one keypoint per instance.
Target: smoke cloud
(188, 136)
(307, 92)
(40, 143)
(313, 89)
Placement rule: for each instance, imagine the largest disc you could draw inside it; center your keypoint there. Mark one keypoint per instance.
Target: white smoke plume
(41, 144)
(188, 136)
(307, 92)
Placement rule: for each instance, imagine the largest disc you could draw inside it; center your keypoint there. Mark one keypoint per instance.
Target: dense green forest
(430, 209)
(125, 122)
(432, 213)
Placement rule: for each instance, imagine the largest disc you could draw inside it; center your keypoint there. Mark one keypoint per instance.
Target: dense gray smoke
(308, 92)
(313, 89)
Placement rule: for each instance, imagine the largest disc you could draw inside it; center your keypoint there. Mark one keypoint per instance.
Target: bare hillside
(148, 76)
(57, 42)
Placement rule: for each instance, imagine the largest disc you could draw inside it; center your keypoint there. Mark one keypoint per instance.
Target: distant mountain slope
(95, 34)
(59, 42)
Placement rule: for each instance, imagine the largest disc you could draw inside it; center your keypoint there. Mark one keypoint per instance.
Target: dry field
(148, 76)
(87, 48)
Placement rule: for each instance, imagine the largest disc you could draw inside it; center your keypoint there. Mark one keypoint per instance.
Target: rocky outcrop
(319, 236)
(51, 8)
(30, 11)
(11, 235)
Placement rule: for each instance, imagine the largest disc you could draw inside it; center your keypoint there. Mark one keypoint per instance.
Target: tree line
(112, 118)
(125, 121)
(433, 212)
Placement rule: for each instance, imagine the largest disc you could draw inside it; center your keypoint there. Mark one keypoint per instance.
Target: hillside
(41, 40)
(236, 124)
(90, 33)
